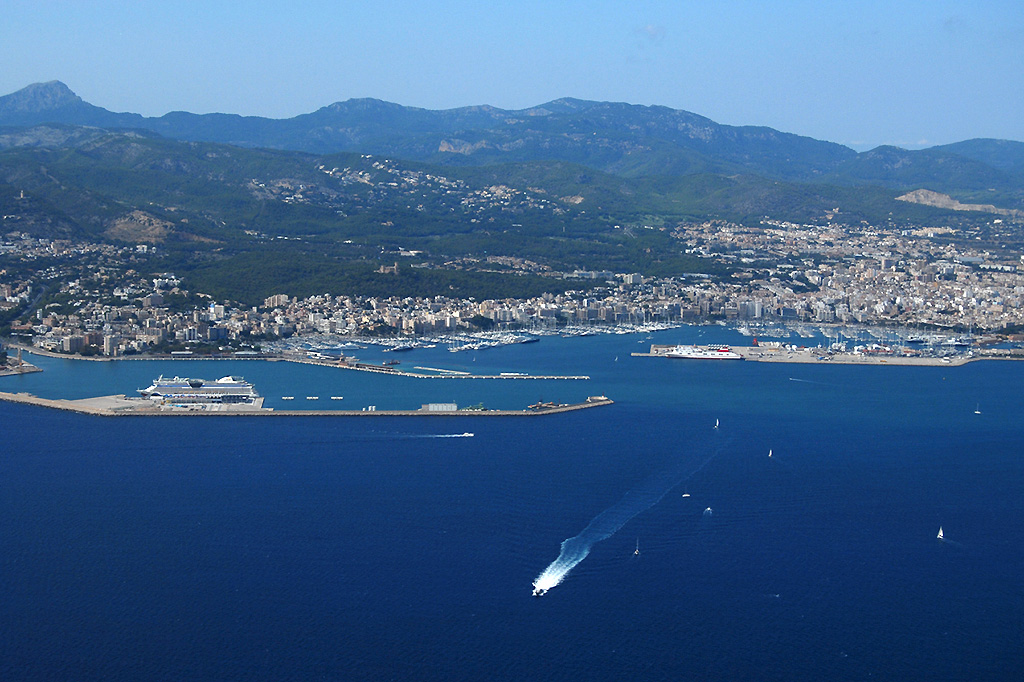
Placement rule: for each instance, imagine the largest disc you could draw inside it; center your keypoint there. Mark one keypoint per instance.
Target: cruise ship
(178, 390)
(710, 352)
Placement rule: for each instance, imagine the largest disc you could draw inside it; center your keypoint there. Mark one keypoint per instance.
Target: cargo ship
(710, 352)
(226, 390)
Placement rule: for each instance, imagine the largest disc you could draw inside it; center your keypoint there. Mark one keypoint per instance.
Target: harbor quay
(233, 396)
(805, 355)
(124, 406)
(428, 372)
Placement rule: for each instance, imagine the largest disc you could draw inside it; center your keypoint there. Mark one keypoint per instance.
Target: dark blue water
(370, 549)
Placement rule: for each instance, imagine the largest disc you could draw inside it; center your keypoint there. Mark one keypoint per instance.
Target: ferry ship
(180, 390)
(711, 352)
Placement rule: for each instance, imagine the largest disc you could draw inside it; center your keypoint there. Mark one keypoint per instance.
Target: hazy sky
(863, 73)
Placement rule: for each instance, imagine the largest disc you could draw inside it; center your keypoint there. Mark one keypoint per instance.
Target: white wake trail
(467, 434)
(604, 525)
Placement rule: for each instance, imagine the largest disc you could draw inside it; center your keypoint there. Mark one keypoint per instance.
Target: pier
(422, 374)
(123, 406)
(803, 355)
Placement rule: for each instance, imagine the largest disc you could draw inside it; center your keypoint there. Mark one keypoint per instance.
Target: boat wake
(946, 541)
(441, 435)
(409, 436)
(604, 525)
(810, 381)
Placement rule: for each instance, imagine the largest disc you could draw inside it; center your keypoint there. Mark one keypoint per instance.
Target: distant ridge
(621, 139)
(614, 137)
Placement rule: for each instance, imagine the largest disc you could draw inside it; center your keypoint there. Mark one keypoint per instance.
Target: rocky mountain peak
(39, 97)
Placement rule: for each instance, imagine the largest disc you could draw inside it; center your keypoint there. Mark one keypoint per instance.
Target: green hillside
(247, 222)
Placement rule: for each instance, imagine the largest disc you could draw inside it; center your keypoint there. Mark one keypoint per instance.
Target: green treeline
(251, 277)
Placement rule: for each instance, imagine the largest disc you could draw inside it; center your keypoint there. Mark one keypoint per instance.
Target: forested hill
(82, 181)
(614, 138)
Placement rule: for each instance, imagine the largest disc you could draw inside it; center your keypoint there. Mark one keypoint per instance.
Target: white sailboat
(716, 423)
(769, 452)
(940, 535)
(636, 552)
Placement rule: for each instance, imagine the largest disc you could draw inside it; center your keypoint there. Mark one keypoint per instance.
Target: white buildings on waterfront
(774, 272)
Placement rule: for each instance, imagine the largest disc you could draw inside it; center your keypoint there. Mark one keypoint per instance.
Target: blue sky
(912, 73)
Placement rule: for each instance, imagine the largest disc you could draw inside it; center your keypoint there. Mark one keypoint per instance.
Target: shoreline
(123, 406)
(785, 353)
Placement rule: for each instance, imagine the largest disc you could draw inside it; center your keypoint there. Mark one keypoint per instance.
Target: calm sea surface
(383, 549)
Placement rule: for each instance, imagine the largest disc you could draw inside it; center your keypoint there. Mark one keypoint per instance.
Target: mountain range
(473, 202)
(620, 139)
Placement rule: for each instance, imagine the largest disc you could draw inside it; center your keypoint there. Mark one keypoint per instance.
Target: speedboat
(539, 591)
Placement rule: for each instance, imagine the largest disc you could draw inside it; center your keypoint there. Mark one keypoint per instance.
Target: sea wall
(122, 406)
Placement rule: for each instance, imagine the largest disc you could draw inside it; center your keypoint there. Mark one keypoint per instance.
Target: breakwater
(123, 406)
(801, 355)
(429, 372)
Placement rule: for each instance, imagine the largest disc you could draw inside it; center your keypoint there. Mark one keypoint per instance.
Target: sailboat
(636, 552)
(716, 423)
(940, 535)
(769, 452)
(977, 409)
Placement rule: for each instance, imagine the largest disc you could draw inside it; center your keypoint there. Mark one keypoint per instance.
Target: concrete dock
(428, 372)
(123, 406)
(800, 355)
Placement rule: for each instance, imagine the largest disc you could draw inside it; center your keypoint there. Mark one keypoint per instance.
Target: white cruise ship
(183, 390)
(711, 352)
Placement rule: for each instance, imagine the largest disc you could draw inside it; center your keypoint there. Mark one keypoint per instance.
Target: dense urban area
(93, 299)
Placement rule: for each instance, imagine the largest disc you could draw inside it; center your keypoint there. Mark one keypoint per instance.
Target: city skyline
(914, 75)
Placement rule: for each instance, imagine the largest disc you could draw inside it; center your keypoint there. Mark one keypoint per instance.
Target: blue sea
(383, 548)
